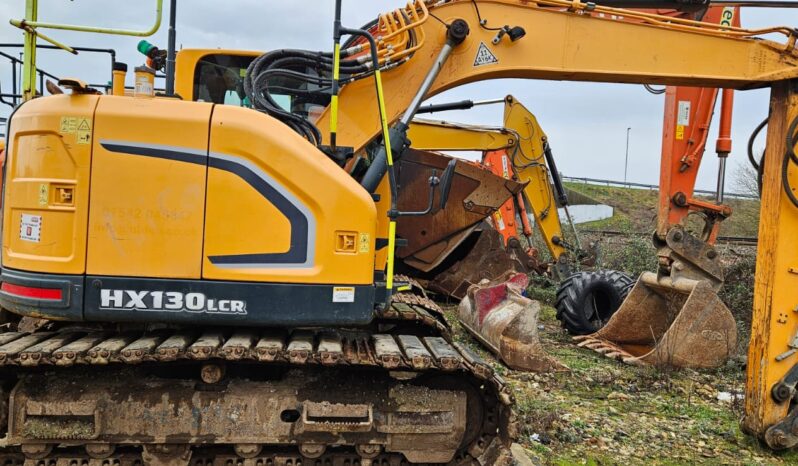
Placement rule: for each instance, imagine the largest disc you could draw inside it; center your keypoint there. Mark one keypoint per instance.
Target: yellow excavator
(208, 284)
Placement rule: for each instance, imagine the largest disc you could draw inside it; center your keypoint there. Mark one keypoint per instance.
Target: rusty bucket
(506, 322)
(666, 322)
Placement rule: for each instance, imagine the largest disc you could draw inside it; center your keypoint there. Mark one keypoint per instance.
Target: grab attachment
(672, 318)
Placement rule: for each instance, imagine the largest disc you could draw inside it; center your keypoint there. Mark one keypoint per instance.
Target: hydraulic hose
(790, 156)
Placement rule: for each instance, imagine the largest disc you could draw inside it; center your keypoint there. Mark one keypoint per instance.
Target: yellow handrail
(31, 23)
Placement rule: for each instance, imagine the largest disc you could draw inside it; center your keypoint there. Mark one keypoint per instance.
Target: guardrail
(740, 240)
(652, 187)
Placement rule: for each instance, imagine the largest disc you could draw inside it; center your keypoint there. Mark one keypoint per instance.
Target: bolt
(711, 254)
(678, 236)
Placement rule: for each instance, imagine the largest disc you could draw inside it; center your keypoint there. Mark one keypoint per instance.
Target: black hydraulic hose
(788, 157)
(751, 140)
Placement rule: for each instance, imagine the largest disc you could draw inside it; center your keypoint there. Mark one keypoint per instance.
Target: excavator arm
(522, 144)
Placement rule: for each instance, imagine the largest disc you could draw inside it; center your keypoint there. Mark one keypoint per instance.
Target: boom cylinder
(456, 34)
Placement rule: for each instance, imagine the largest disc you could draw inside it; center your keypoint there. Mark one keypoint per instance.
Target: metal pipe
(170, 49)
(33, 23)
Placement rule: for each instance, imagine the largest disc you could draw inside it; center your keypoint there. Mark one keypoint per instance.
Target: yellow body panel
(147, 213)
(443, 136)
(241, 221)
(775, 320)
(49, 185)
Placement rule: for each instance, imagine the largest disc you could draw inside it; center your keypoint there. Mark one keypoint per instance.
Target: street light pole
(626, 160)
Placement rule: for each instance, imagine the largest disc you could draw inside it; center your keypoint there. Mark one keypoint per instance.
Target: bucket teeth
(667, 322)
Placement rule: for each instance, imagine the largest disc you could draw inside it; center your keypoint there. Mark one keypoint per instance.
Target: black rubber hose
(751, 140)
(785, 166)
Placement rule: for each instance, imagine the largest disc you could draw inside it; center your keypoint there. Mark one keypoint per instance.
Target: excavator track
(133, 363)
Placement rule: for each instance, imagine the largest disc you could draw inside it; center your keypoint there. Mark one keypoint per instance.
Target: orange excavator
(687, 119)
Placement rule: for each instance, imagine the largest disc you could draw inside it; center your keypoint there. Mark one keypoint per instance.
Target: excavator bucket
(453, 248)
(665, 322)
(506, 322)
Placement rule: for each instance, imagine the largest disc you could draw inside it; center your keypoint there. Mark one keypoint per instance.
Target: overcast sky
(586, 122)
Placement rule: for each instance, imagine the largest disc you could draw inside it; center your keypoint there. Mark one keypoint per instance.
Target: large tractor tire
(587, 300)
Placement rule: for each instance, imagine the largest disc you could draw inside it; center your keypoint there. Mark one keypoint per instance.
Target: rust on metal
(502, 319)
(666, 322)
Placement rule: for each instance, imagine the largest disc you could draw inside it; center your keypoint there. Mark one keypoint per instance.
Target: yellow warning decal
(364, 243)
(68, 125)
(84, 131)
(43, 194)
(679, 132)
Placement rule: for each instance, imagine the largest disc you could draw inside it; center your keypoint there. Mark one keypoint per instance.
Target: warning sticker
(364, 243)
(43, 194)
(499, 221)
(83, 133)
(68, 125)
(683, 117)
(30, 228)
(679, 132)
(343, 294)
(505, 167)
(484, 56)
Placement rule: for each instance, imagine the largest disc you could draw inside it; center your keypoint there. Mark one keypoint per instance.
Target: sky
(586, 122)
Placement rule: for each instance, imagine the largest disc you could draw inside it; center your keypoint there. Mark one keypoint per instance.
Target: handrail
(21, 23)
(31, 24)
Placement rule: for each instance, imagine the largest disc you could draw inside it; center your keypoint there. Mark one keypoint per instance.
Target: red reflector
(31, 292)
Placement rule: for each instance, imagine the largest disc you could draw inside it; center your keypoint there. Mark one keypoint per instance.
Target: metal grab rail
(31, 24)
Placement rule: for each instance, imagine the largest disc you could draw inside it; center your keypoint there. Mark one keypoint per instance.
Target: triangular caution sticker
(484, 56)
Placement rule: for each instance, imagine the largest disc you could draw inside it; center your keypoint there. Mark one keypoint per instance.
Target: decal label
(68, 125)
(683, 117)
(168, 301)
(679, 132)
(364, 244)
(499, 221)
(343, 294)
(44, 194)
(505, 167)
(83, 131)
(484, 56)
(30, 228)
(727, 17)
